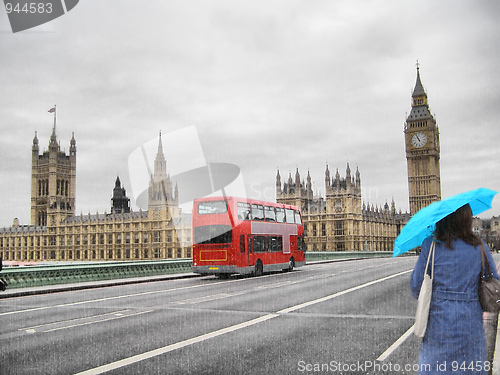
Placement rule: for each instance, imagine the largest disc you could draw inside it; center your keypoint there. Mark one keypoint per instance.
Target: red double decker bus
(245, 236)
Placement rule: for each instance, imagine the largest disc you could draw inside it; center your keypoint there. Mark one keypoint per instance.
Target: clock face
(419, 140)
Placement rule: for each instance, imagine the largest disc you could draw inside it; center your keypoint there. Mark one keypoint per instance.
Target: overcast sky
(267, 84)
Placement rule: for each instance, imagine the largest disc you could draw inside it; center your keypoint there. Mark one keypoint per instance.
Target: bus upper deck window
(280, 215)
(244, 211)
(257, 212)
(270, 214)
(298, 220)
(289, 216)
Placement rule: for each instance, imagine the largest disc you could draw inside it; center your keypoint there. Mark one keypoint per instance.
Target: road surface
(348, 317)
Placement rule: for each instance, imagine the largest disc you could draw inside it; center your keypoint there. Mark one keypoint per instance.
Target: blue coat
(455, 332)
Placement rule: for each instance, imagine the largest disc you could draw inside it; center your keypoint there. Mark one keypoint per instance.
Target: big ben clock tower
(422, 151)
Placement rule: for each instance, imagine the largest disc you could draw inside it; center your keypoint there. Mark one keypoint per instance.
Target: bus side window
(279, 244)
(259, 244)
(250, 245)
(280, 215)
(271, 244)
(300, 243)
(289, 216)
(270, 214)
(298, 220)
(244, 211)
(257, 212)
(242, 243)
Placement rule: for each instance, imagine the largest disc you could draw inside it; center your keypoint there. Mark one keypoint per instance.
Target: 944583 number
(473, 366)
(28, 8)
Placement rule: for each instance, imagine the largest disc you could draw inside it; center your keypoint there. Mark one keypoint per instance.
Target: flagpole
(50, 111)
(55, 119)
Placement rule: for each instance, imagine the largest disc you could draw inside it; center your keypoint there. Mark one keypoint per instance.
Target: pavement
(46, 289)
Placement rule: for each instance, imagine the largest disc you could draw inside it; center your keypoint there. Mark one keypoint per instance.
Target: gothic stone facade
(339, 221)
(55, 233)
(53, 177)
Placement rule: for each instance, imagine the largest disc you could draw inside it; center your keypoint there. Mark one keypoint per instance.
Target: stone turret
(120, 201)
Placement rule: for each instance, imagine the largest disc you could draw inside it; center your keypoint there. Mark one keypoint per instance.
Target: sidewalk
(495, 340)
(491, 329)
(46, 289)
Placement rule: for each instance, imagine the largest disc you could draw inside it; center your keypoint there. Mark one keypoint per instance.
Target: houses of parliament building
(337, 222)
(56, 233)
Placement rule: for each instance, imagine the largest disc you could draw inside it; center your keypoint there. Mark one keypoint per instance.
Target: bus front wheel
(258, 268)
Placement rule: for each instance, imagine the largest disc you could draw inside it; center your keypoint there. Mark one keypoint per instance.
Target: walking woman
(454, 341)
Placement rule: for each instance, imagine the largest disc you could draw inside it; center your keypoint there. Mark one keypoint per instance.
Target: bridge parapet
(31, 276)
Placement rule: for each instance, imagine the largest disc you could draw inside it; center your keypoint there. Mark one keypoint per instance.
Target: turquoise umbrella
(422, 224)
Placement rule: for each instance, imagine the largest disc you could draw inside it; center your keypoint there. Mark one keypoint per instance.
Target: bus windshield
(212, 207)
(213, 234)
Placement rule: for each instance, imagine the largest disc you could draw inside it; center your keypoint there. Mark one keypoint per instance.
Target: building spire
(35, 143)
(160, 145)
(419, 89)
(160, 168)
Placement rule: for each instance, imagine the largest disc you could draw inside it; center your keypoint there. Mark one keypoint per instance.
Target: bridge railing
(32, 276)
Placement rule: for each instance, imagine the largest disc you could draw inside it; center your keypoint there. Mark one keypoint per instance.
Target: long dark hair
(457, 225)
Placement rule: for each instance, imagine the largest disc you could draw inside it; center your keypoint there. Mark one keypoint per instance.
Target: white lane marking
(72, 320)
(212, 297)
(396, 345)
(171, 347)
(324, 276)
(277, 285)
(194, 340)
(338, 294)
(98, 321)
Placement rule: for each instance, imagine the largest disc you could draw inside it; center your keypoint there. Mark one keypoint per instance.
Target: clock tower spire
(422, 151)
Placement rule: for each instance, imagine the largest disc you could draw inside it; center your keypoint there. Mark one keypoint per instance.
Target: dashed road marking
(64, 324)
